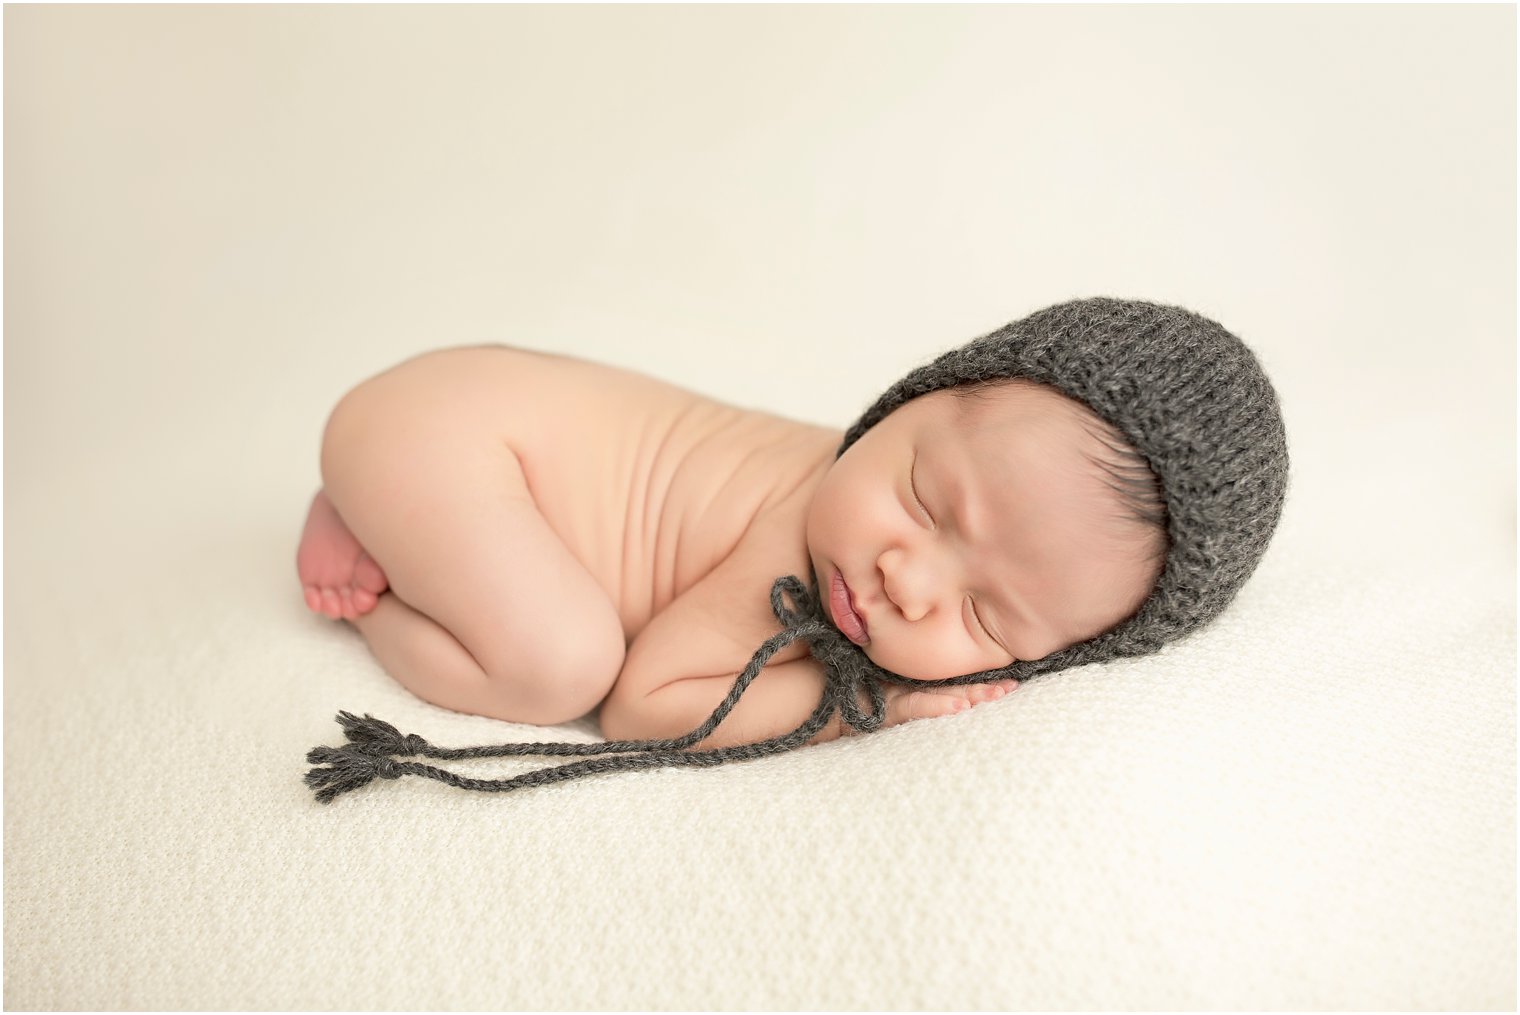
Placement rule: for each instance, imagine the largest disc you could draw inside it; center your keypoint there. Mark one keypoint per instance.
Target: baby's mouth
(842, 609)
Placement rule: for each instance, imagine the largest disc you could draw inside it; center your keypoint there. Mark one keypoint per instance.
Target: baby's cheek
(923, 659)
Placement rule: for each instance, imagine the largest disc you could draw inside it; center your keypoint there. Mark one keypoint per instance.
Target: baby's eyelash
(978, 617)
(913, 486)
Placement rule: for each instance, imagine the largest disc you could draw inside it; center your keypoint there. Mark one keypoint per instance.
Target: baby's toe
(368, 576)
(364, 600)
(332, 606)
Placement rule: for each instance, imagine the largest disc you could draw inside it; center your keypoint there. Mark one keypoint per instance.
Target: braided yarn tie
(373, 744)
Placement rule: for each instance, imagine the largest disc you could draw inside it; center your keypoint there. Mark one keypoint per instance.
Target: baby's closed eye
(976, 618)
(917, 498)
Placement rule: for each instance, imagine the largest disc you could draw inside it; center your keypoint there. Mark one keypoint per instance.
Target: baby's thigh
(442, 504)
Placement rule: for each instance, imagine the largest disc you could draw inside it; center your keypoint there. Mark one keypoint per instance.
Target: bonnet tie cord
(372, 742)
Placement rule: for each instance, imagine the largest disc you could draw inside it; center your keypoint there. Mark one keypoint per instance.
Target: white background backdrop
(236, 213)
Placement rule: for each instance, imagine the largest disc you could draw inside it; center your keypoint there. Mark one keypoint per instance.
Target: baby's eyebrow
(954, 503)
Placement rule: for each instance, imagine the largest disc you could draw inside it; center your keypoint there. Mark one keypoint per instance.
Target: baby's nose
(906, 585)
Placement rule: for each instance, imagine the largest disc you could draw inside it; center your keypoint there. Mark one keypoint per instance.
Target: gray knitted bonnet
(1189, 397)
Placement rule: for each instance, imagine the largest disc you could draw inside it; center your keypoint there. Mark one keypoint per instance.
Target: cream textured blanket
(218, 219)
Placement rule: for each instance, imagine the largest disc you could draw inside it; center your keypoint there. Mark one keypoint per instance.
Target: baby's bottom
(487, 611)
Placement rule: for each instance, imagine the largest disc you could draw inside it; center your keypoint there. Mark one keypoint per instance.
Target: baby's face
(971, 534)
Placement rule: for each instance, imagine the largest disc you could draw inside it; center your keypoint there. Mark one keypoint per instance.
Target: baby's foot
(340, 580)
(906, 704)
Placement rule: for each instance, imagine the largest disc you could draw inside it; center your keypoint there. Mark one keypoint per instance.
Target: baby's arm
(685, 661)
(687, 658)
(785, 694)
(647, 704)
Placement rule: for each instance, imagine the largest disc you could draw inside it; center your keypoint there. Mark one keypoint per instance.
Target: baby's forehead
(1014, 430)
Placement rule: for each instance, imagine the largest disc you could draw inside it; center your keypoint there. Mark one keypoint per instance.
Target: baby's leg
(488, 612)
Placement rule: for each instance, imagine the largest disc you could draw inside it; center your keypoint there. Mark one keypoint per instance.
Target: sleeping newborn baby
(533, 537)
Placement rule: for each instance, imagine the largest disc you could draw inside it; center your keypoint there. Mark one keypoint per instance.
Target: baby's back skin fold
(650, 486)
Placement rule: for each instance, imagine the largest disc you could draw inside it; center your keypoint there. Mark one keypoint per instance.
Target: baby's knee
(563, 676)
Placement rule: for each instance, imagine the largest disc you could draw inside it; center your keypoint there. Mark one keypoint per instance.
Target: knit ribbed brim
(1191, 398)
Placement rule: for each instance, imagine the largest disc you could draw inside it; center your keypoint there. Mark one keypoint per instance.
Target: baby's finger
(926, 705)
(978, 694)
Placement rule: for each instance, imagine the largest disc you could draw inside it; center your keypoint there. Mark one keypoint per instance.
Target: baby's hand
(904, 704)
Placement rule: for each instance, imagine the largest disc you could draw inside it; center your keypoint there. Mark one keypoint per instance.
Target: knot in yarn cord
(386, 768)
(846, 668)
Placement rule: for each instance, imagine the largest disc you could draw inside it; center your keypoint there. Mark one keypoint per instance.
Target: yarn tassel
(348, 768)
(375, 736)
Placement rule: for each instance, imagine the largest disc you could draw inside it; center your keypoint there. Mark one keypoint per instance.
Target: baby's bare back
(650, 486)
(559, 536)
